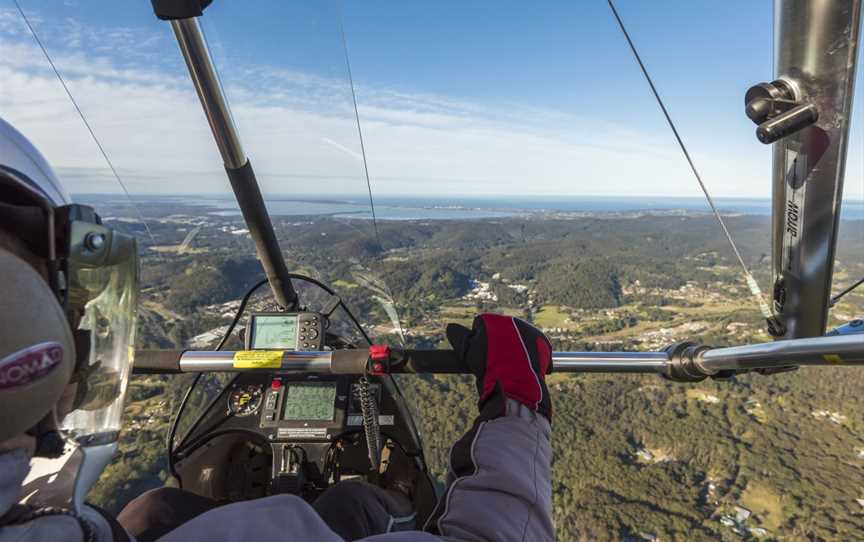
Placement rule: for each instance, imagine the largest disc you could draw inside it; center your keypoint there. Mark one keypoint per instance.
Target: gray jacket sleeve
(499, 481)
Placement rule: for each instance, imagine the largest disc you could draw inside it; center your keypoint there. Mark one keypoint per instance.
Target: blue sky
(455, 97)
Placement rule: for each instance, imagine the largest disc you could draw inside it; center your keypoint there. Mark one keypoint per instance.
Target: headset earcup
(37, 349)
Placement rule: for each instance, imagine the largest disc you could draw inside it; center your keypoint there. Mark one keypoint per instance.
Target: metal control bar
(685, 362)
(610, 362)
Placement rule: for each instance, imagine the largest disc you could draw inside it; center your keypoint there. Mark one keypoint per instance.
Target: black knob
(787, 123)
(758, 110)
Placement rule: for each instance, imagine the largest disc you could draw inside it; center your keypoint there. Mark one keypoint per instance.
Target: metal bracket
(168, 10)
(778, 109)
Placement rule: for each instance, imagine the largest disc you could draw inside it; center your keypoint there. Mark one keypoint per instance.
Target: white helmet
(37, 349)
(20, 159)
(67, 309)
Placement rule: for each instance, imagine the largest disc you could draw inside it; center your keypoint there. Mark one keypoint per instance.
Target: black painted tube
(257, 219)
(404, 361)
(432, 361)
(157, 362)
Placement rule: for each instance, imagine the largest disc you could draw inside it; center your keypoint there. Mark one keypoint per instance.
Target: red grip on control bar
(379, 355)
(379, 352)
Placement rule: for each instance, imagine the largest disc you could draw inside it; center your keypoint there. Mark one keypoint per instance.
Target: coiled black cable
(369, 411)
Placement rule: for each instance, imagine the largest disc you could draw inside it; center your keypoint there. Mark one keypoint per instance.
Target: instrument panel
(302, 408)
(305, 408)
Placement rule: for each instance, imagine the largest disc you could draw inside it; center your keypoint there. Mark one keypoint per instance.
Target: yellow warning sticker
(258, 359)
(832, 358)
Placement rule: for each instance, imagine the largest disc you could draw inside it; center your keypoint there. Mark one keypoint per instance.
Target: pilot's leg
(156, 512)
(354, 510)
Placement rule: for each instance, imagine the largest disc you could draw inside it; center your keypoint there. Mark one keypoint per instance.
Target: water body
(455, 208)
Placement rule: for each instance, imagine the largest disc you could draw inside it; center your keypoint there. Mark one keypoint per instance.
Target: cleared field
(761, 500)
(552, 316)
(178, 249)
(343, 285)
(458, 314)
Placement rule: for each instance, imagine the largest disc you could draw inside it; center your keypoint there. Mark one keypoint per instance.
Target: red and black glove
(509, 357)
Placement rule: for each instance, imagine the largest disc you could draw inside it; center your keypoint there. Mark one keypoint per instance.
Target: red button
(276, 384)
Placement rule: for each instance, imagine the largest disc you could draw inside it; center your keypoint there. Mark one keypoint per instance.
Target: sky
(454, 98)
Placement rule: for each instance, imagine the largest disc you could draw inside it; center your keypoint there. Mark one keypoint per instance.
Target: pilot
(67, 323)
(68, 289)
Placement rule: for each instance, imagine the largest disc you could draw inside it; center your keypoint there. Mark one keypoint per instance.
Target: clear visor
(103, 279)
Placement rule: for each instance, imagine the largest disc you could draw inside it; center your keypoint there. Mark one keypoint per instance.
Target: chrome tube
(837, 350)
(229, 362)
(197, 57)
(609, 362)
(816, 43)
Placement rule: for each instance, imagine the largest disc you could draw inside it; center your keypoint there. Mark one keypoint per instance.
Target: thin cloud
(342, 148)
(298, 127)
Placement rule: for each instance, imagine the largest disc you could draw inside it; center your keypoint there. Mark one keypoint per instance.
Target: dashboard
(299, 408)
(272, 431)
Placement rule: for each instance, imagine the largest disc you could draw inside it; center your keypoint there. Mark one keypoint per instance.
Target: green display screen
(310, 402)
(274, 331)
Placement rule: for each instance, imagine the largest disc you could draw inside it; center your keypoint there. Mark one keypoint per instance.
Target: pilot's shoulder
(59, 527)
(406, 536)
(281, 517)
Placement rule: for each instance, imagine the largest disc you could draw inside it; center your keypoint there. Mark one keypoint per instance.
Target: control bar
(683, 362)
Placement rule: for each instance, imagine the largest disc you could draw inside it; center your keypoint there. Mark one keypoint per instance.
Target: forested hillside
(638, 458)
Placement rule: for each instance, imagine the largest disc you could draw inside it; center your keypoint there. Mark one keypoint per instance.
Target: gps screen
(274, 331)
(310, 401)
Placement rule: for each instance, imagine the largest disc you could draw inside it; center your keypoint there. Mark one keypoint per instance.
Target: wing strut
(195, 52)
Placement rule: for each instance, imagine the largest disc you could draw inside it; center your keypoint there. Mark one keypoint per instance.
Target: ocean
(455, 208)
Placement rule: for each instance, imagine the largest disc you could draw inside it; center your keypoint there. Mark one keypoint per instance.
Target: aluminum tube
(219, 361)
(837, 350)
(609, 362)
(197, 57)
(565, 362)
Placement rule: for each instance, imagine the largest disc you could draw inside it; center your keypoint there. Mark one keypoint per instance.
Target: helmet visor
(102, 284)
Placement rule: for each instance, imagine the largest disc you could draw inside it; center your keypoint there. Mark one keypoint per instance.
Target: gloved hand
(509, 357)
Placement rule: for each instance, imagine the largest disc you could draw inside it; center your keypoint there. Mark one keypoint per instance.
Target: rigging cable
(751, 282)
(860, 281)
(84, 120)
(837, 297)
(359, 131)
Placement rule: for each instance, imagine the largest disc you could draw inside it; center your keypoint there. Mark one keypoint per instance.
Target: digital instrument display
(274, 331)
(310, 401)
